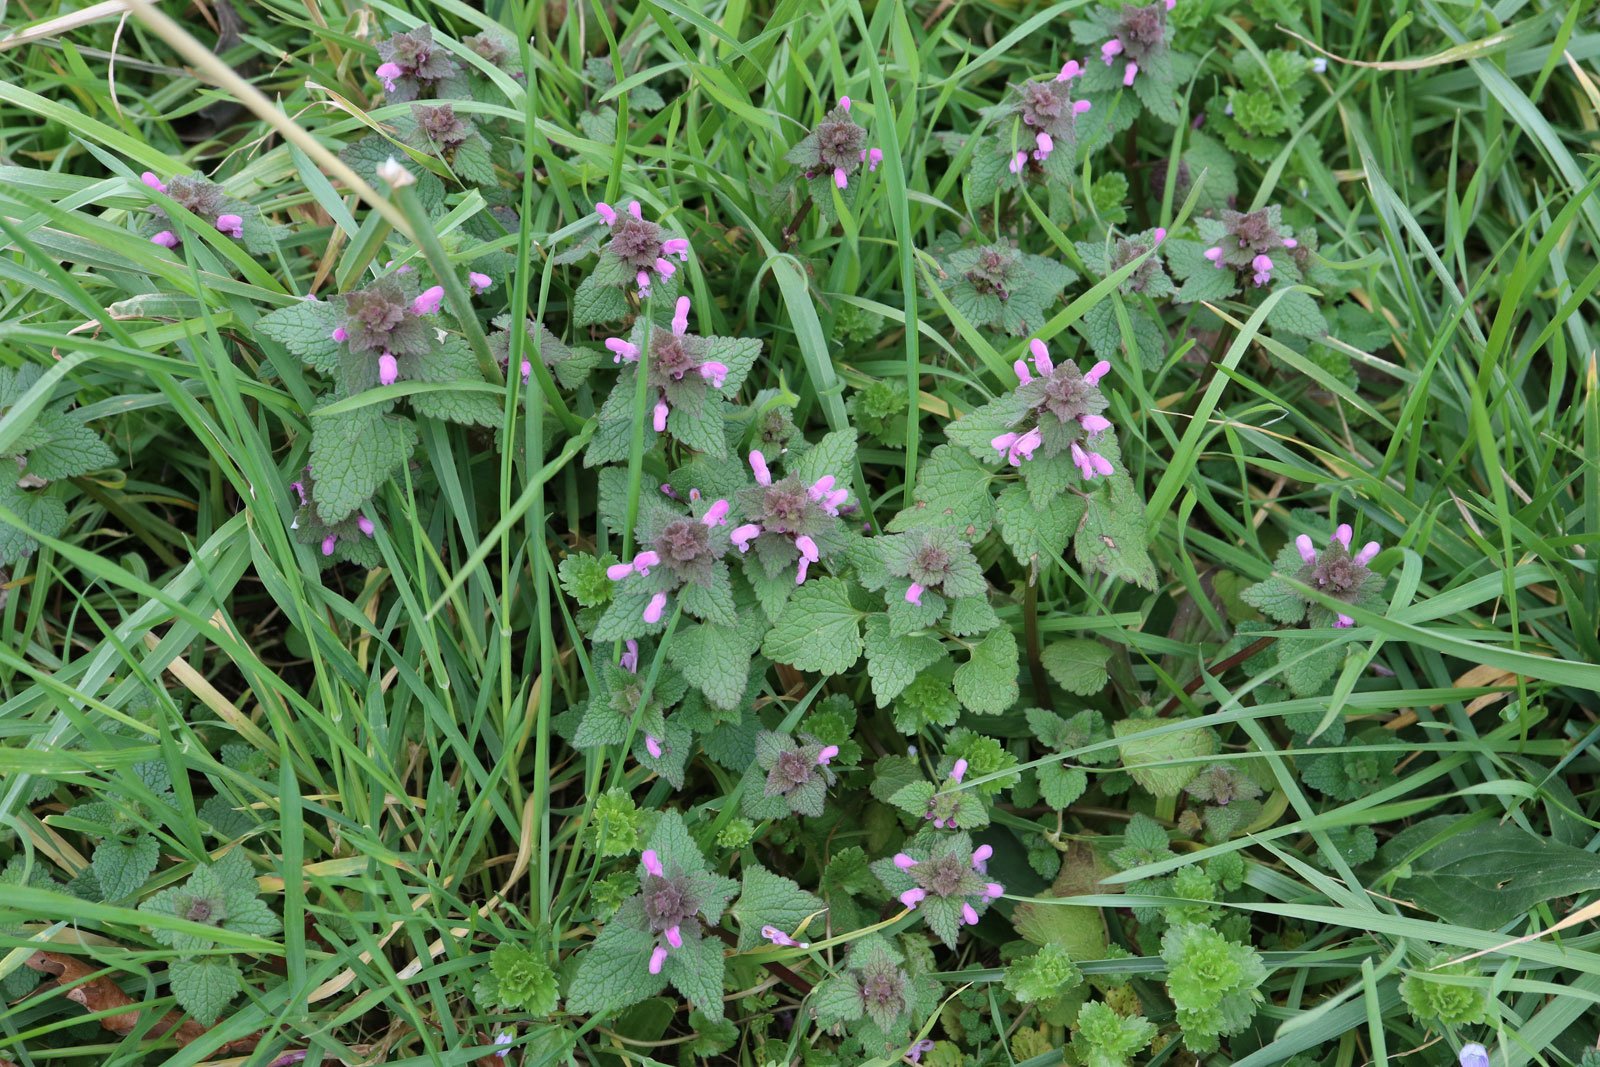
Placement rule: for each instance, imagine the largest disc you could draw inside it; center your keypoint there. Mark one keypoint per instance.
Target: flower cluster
(680, 368)
(787, 518)
(943, 877)
(796, 771)
(441, 126)
(670, 905)
(686, 548)
(1338, 573)
(203, 198)
(413, 64)
(1065, 404)
(836, 148)
(355, 533)
(1047, 109)
(385, 320)
(643, 246)
(1139, 37)
(1248, 241)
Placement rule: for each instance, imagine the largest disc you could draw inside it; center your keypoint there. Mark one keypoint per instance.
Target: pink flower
(1096, 372)
(1045, 144)
(166, 239)
(914, 1053)
(912, 897)
(621, 351)
(328, 543)
(644, 561)
(717, 514)
(714, 372)
(300, 491)
(1024, 375)
(1262, 265)
(149, 178)
(365, 525)
(652, 863)
(840, 178)
(658, 956)
(387, 73)
(607, 213)
(680, 317)
(903, 861)
(1129, 73)
(1343, 534)
(642, 279)
(1069, 70)
(969, 915)
(1094, 424)
(653, 746)
(1080, 106)
(872, 157)
(914, 594)
(1018, 161)
(844, 102)
(527, 371)
(758, 465)
(835, 500)
(1041, 356)
(658, 415)
(1160, 234)
(821, 487)
(778, 937)
(993, 890)
(340, 334)
(980, 858)
(1368, 550)
(388, 369)
(800, 571)
(1090, 464)
(1215, 256)
(653, 610)
(1111, 48)
(232, 225)
(479, 283)
(826, 754)
(630, 659)
(1307, 550)
(743, 535)
(429, 300)
(676, 246)
(664, 267)
(635, 210)
(1343, 622)
(1018, 447)
(808, 548)
(1290, 242)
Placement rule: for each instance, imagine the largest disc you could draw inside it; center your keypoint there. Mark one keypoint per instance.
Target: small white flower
(394, 175)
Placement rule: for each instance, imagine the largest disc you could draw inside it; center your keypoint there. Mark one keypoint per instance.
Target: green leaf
(1277, 599)
(820, 630)
(353, 454)
(971, 615)
(696, 970)
(594, 303)
(987, 682)
(1149, 758)
(205, 986)
(1112, 537)
(305, 329)
(671, 841)
(768, 899)
(835, 454)
(1061, 785)
(71, 449)
(894, 662)
(1491, 873)
(41, 509)
(1037, 536)
(613, 971)
(715, 659)
(952, 490)
(121, 867)
(1078, 665)
(1297, 313)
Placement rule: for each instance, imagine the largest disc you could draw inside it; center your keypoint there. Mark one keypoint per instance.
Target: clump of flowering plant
(879, 996)
(1131, 49)
(833, 154)
(998, 287)
(942, 877)
(1035, 135)
(792, 522)
(640, 256)
(620, 707)
(1250, 254)
(689, 380)
(211, 203)
(798, 776)
(413, 65)
(1149, 282)
(659, 935)
(440, 131)
(348, 540)
(679, 555)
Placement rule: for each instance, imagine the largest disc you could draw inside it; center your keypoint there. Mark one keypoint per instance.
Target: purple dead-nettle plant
(932, 562)
(1148, 282)
(792, 524)
(350, 540)
(1049, 118)
(643, 247)
(833, 156)
(439, 126)
(1337, 571)
(682, 367)
(677, 550)
(999, 287)
(414, 65)
(1135, 38)
(1061, 414)
(797, 771)
(203, 198)
(941, 877)
(1254, 243)
(384, 323)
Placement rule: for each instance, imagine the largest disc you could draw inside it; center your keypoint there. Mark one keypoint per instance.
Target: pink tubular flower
(1343, 622)
(658, 415)
(1018, 161)
(166, 239)
(429, 300)
(1215, 256)
(969, 915)
(808, 548)
(664, 267)
(1089, 464)
(365, 525)
(914, 1053)
(607, 213)
(653, 610)
(716, 514)
(743, 535)
(621, 351)
(903, 861)
(1343, 534)
(1024, 375)
(1041, 356)
(714, 372)
(642, 279)
(993, 890)
(652, 863)
(328, 543)
(1110, 49)
(527, 371)
(479, 283)
(388, 369)
(959, 771)
(758, 466)
(912, 897)
(1129, 73)
(1368, 551)
(652, 746)
(1307, 550)
(1081, 106)
(778, 937)
(1262, 265)
(340, 334)
(800, 571)
(872, 157)
(232, 225)
(1096, 372)
(914, 594)
(821, 487)
(630, 659)
(387, 73)
(658, 956)
(840, 178)
(1069, 70)
(300, 491)
(1160, 234)
(635, 210)
(980, 858)
(844, 102)
(676, 246)
(149, 178)
(1045, 146)
(1290, 242)
(1094, 424)
(680, 317)
(826, 754)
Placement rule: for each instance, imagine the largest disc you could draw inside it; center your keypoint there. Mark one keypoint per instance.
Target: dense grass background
(416, 808)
